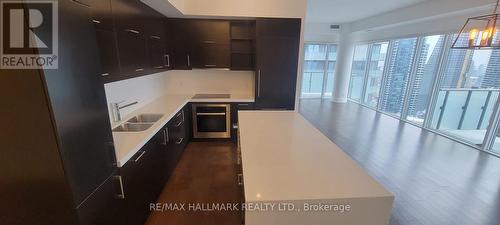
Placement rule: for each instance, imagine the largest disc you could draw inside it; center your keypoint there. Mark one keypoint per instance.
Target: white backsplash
(209, 82)
(147, 88)
(141, 89)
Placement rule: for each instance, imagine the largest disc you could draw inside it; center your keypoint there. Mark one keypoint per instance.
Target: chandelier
(479, 32)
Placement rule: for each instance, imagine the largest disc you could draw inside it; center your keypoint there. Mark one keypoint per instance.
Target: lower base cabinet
(144, 176)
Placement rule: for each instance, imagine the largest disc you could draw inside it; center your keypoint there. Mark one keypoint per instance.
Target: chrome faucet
(116, 109)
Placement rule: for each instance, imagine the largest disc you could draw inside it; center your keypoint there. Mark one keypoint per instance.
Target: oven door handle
(211, 114)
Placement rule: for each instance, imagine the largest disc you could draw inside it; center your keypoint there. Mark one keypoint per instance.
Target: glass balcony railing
(464, 113)
(312, 84)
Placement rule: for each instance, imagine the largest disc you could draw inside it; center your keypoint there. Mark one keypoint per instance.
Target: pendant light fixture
(479, 32)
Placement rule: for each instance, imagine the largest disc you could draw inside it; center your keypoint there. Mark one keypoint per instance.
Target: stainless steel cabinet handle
(210, 65)
(158, 67)
(168, 60)
(180, 114)
(209, 42)
(132, 31)
(178, 124)
(96, 21)
(156, 37)
(211, 114)
(189, 60)
(122, 192)
(105, 74)
(240, 179)
(140, 156)
(80, 3)
(139, 70)
(258, 83)
(178, 142)
(168, 135)
(165, 137)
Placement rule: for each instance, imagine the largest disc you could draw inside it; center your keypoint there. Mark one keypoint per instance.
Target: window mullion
(385, 73)
(431, 105)
(367, 69)
(411, 77)
(325, 66)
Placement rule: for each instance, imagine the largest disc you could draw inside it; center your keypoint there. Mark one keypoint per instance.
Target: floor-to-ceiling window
(399, 71)
(358, 70)
(378, 53)
(428, 59)
(330, 70)
(423, 81)
(319, 66)
(468, 90)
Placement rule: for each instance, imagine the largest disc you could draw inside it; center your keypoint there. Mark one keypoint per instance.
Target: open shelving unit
(243, 45)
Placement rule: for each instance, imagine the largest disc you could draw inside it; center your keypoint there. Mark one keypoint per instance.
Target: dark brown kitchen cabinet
(277, 56)
(58, 157)
(182, 43)
(242, 45)
(212, 44)
(158, 58)
(129, 15)
(101, 14)
(108, 54)
(132, 53)
(155, 31)
(142, 184)
(210, 55)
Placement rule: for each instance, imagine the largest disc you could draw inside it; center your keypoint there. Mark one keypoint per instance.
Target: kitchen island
(293, 174)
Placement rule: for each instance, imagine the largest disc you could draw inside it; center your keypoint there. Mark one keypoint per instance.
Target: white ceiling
(344, 11)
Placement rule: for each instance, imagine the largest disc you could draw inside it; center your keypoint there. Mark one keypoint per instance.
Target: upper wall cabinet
(132, 52)
(182, 43)
(156, 38)
(101, 14)
(212, 43)
(129, 15)
(242, 45)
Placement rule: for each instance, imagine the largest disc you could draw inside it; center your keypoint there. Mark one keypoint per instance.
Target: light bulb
(473, 34)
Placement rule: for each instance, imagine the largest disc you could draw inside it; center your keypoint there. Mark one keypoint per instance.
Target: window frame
(325, 68)
(494, 122)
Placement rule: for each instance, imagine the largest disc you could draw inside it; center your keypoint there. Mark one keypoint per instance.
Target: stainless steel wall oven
(211, 120)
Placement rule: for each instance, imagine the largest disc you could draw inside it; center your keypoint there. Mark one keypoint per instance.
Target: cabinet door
(157, 53)
(108, 54)
(212, 56)
(78, 104)
(132, 50)
(102, 206)
(212, 44)
(182, 44)
(277, 61)
(139, 186)
(101, 14)
(129, 15)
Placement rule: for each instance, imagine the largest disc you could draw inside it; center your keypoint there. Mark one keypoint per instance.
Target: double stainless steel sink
(139, 123)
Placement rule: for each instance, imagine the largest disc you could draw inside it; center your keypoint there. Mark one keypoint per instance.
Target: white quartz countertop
(127, 144)
(285, 158)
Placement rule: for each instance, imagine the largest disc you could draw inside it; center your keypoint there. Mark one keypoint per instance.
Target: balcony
(465, 113)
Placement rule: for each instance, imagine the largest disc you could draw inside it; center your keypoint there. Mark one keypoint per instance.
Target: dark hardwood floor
(205, 174)
(435, 180)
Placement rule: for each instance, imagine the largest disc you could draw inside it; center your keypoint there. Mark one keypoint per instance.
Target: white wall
(142, 89)
(148, 88)
(210, 82)
(439, 24)
(246, 8)
(320, 32)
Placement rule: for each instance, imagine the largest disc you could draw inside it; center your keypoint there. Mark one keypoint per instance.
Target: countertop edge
(150, 133)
